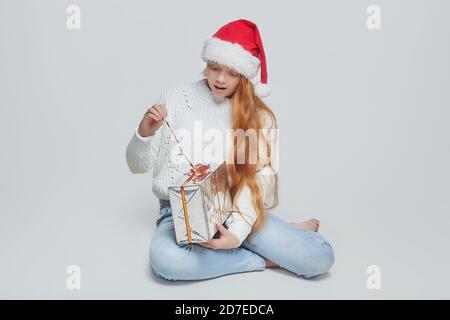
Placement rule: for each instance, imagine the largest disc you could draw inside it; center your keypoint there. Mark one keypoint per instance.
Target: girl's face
(222, 80)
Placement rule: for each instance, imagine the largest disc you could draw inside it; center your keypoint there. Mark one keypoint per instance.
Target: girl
(253, 239)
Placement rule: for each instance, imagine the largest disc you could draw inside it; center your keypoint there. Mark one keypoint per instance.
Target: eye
(233, 73)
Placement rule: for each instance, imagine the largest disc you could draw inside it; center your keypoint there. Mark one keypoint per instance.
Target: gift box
(199, 200)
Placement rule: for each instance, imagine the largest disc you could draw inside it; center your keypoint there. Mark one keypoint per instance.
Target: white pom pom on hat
(238, 45)
(262, 89)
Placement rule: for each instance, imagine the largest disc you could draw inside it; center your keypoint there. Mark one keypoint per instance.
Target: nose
(221, 77)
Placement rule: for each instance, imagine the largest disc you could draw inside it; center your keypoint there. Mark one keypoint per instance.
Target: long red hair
(250, 112)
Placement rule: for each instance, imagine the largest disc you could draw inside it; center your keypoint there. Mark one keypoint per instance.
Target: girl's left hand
(227, 240)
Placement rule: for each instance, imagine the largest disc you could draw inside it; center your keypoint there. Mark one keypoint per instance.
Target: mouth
(219, 88)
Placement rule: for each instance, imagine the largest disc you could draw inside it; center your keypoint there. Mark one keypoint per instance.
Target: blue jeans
(301, 251)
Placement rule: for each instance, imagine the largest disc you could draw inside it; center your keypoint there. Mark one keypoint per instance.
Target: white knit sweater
(191, 108)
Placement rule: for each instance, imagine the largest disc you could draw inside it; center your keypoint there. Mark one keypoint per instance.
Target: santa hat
(238, 45)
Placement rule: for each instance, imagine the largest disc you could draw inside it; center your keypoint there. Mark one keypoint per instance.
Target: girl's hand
(152, 120)
(228, 240)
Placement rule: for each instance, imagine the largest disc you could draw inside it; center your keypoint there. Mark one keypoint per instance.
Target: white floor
(110, 245)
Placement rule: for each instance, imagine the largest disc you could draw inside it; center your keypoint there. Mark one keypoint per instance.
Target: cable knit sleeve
(141, 152)
(241, 226)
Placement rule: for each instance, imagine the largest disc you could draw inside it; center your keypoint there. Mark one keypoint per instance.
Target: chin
(220, 95)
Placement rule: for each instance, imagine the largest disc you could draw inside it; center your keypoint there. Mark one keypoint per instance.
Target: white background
(364, 130)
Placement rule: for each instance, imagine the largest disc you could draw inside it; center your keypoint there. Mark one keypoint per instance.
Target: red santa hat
(238, 45)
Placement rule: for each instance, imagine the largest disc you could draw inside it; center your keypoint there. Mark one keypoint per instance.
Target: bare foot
(270, 264)
(311, 224)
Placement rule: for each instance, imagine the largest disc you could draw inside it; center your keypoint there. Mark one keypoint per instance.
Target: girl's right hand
(152, 120)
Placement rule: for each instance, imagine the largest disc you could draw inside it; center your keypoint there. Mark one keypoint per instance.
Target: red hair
(250, 112)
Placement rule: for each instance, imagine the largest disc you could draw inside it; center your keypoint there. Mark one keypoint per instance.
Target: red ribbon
(197, 175)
